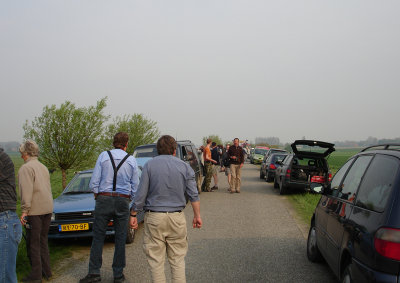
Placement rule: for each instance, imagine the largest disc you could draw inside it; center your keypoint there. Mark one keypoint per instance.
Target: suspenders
(116, 168)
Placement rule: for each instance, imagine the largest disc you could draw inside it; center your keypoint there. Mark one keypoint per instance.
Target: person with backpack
(226, 164)
(114, 183)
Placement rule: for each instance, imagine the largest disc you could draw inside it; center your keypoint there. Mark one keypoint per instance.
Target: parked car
(307, 161)
(73, 212)
(356, 224)
(268, 167)
(272, 151)
(258, 154)
(185, 151)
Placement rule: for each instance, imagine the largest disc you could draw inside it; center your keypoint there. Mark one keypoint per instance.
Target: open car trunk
(305, 170)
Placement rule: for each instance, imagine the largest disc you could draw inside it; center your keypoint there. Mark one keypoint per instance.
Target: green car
(258, 154)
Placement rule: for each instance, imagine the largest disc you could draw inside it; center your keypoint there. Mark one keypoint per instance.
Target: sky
(319, 69)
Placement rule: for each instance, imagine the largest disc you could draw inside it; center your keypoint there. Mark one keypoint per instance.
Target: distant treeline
(10, 146)
(368, 142)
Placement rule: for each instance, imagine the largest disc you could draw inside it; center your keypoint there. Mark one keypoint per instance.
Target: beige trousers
(165, 233)
(235, 179)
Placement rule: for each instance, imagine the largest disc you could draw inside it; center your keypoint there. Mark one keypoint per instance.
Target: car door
(339, 208)
(322, 211)
(370, 211)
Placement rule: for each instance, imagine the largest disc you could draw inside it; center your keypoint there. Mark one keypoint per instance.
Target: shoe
(214, 188)
(238, 192)
(232, 192)
(46, 277)
(91, 278)
(119, 279)
(29, 280)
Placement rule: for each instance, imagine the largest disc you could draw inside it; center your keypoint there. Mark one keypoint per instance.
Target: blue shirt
(163, 184)
(103, 174)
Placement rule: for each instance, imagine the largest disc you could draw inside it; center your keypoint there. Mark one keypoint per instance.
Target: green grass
(57, 251)
(305, 203)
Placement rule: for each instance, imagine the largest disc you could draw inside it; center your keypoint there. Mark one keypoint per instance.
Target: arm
(197, 222)
(140, 197)
(96, 176)
(25, 182)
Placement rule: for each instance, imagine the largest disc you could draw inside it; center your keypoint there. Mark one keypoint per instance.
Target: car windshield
(260, 151)
(279, 157)
(79, 184)
(146, 151)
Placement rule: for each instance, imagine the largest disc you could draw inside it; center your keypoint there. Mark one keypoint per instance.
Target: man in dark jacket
(236, 159)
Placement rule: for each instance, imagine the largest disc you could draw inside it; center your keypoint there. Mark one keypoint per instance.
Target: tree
(140, 129)
(214, 138)
(68, 137)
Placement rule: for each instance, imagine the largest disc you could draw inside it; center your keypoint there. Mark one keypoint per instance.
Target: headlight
(53, 216)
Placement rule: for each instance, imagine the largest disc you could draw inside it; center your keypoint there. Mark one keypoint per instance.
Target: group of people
(165, 184)
(230, 160)
(36, 209)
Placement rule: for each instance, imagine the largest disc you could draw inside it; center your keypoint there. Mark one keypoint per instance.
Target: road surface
(253, 236)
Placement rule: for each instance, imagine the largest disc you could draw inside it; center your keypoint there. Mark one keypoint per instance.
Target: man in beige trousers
(165, 180)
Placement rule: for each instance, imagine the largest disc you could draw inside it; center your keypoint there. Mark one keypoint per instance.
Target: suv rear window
(377, 183)
(146, 151)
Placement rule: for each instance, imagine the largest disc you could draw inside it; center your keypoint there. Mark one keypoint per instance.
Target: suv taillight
(272, 166)
(288, 173)
(330, 177)
(387, 242)
(318, 179)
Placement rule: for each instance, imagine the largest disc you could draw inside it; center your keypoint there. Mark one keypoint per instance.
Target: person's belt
(113, 194)
(148, 210)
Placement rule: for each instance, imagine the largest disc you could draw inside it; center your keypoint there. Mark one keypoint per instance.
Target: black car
(306, 163)
(356, 224)
(185, 151)
(268, 167)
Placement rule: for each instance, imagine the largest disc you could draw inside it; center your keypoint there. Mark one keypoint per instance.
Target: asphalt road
(253, 236)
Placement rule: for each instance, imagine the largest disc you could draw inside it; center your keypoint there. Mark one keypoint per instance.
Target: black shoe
(29, 280)
(91, 278)
(119, 279)
(214, 188)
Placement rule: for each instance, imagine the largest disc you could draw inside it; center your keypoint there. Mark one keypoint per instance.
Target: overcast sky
(327, 70)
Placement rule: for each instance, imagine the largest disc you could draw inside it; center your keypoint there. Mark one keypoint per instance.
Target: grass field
(57, 252)
(305, 203)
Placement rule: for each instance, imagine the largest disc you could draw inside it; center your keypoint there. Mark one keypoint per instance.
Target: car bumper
(257, 161)
(362, 273)
(55, 233)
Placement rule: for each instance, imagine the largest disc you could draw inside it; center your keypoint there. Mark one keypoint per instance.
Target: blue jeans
(107, 208)
(10, 236)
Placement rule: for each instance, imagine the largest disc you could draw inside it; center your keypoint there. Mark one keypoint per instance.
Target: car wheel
(275, 184)
(130, 236)
(268, 178)
(282, 189)
(346, 276)
(313, 253)
(261, 174)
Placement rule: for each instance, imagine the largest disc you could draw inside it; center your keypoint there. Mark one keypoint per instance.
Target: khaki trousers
(165, 233)
(235, 179)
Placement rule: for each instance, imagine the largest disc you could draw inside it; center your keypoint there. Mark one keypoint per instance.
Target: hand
(133, 222)
(197, 222)
(241, 165)
(22, 219)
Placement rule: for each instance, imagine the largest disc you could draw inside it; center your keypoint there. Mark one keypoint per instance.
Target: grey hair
(30, 148)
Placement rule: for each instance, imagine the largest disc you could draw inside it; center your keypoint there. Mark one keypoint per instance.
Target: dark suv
(185, 151)
(356, 224)
(307, 163)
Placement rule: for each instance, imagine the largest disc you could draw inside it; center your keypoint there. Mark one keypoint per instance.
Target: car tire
(261, 174)
(313, 253)
(268, 178)
(130, 236)
(275, 184)
(282, 189)
(346, 276)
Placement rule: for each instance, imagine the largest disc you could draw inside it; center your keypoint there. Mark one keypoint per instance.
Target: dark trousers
(37, 247)
(107, 208)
